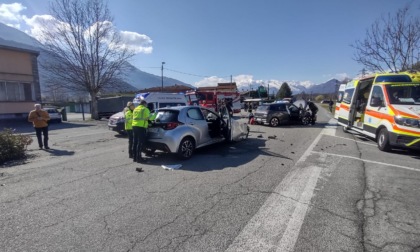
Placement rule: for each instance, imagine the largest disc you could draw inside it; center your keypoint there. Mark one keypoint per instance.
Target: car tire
(345, 129)
(274, 122)
(186, 148)
(305, 120)
(383, 140)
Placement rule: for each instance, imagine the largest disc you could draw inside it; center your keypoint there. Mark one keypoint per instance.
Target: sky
(205, 42)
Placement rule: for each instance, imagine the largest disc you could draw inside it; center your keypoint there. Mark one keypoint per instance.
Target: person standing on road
(141, 116)
(314, 110)
(331, 103)
(39, 118)
(128, 125)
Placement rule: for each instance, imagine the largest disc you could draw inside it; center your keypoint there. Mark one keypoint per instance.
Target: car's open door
(227, 119)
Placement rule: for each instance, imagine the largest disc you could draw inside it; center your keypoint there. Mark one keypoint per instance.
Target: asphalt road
(290, 188)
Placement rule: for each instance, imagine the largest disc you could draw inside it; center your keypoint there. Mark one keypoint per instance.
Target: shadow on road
(56, 152)
(220, 156)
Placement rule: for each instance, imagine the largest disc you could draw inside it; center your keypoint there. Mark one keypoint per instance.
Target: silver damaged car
(183, 129)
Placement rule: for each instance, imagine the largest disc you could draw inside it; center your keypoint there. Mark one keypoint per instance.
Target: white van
(385, 107)
(340, 95)
(154, 101)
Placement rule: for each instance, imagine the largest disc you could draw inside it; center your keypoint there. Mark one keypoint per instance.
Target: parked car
(183, 129)
(55, 115)
(279, 113)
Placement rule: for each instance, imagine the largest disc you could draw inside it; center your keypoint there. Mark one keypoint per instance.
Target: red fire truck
(214, 97)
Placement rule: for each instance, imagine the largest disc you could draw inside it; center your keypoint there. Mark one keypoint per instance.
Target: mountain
(133, 79)
(297, 87)
(142, 80)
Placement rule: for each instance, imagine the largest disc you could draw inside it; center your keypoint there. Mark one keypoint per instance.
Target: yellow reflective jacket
(141, 116)
(128, 119)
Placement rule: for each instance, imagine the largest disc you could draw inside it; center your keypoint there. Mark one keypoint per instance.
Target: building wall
(19, 82)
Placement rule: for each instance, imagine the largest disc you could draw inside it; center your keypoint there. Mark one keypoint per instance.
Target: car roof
(176, 108)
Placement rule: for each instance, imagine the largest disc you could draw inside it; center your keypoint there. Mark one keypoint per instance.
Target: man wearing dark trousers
(39, 118)
(141, 116)
(128, 126)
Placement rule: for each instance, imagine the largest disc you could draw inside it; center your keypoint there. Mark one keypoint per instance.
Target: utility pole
(162, 76)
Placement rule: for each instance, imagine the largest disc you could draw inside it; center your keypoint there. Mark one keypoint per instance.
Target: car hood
(118, 115)
(298, 103)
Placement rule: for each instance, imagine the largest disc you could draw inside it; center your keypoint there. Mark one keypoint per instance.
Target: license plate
(259, 119)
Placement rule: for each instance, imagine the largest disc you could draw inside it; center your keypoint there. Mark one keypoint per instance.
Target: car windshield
(51, 110)
(407, 93)
(166, 116)
(263, 108)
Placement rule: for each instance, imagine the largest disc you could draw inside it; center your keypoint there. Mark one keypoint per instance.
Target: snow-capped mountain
(134, 79)
(297, 87)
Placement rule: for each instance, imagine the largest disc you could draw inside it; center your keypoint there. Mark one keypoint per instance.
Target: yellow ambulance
(385, 107)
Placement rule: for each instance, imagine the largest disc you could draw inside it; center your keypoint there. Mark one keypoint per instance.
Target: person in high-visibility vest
(140, 123)
(128, 126)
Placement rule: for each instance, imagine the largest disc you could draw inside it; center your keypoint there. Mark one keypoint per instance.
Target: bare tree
(392, 43)
(86, 53)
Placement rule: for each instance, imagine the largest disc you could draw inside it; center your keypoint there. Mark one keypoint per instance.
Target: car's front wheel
(274, 122)
(305, 120)
(186, 148)
(383, 140)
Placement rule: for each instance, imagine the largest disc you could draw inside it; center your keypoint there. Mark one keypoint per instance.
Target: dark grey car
(277, 113)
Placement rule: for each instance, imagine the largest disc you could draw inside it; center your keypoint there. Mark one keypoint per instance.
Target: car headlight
(120, 119)
(405, 121)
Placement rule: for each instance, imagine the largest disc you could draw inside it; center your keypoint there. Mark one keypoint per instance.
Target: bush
(12, 146)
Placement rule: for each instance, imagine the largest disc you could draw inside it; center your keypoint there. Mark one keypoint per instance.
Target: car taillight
(171, 125)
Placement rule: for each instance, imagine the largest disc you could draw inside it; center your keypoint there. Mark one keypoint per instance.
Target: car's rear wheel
(383, 140)
(274, 122)
(186, 148)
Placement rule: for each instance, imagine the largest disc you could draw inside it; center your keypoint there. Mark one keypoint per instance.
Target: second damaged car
(183, 129)
(281, 113)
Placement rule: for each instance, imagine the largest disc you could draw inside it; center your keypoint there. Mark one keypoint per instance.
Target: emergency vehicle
(340, 94)
(214, 97)
(385, 107)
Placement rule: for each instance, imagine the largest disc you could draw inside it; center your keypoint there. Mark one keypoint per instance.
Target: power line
(197, 75)
(180, 72)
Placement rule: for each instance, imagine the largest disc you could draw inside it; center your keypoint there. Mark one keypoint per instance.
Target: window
(393, 78)
(348, 94)
(195, 114)
(27, 91)
(408, 94)
(3, 95)
(15, 91)
(282, 107)
(377, 97)
(165, 116)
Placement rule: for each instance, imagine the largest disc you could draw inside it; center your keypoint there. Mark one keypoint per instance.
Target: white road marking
(288, 241)
(277, 224)
(368, 161)
(352, 140)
